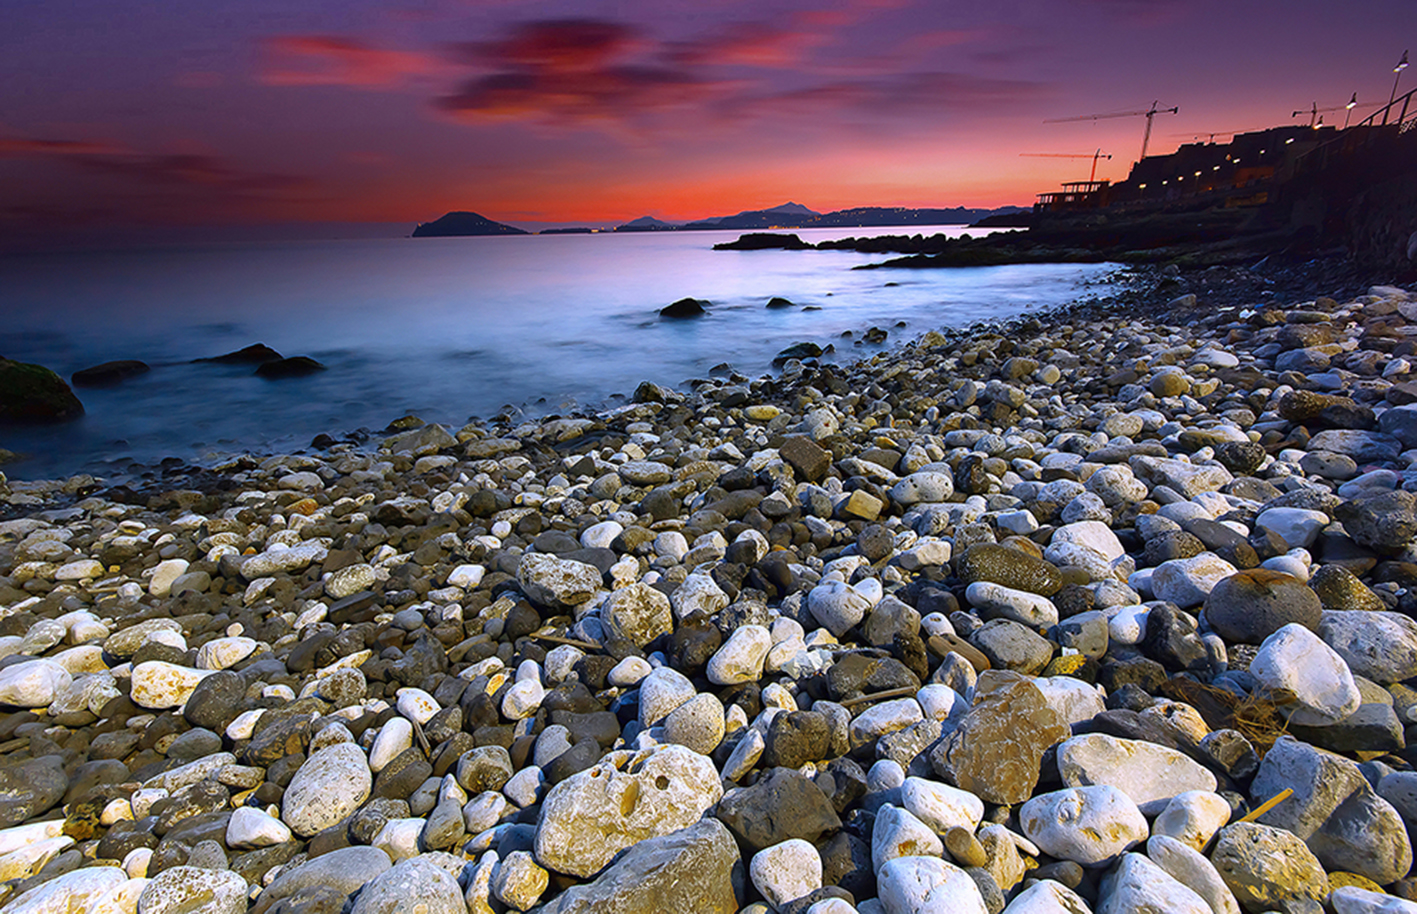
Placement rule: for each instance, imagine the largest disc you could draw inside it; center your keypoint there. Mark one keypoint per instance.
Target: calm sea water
(445, 328)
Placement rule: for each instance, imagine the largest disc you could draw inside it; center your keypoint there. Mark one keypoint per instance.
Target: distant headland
(464, 223)
(786, 215)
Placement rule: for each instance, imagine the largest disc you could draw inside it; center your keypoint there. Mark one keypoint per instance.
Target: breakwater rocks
(1084, 613)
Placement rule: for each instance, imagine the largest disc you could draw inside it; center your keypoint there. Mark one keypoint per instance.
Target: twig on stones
(902, 692)
(1267, 805)
(557, 639)
(422, 740)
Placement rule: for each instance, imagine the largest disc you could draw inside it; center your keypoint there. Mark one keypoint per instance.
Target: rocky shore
(1106, 610)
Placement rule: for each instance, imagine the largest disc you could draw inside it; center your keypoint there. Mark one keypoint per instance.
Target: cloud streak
(325, 60)
(196, 174)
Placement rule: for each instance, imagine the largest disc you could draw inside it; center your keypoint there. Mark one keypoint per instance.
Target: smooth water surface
(445, 328)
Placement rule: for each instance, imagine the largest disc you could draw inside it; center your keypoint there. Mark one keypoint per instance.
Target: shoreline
(793, 619)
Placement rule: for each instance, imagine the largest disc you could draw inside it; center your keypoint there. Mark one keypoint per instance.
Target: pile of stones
(1088, 612)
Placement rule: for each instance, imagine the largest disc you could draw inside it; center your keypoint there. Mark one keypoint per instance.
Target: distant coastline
(463, 223)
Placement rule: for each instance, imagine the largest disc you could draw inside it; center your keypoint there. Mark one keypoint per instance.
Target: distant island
(462, 223)
(786, 215)
(795, 215)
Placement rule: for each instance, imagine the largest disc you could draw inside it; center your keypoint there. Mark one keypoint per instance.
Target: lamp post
(1401, 65)
(1352, 103)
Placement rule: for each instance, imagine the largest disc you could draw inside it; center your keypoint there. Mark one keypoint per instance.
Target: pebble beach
(1109, 609)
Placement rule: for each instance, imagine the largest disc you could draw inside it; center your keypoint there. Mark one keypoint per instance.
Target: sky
(117, 114)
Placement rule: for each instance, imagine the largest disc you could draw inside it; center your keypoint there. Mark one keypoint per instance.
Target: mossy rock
(33, 393)
(1011, 568)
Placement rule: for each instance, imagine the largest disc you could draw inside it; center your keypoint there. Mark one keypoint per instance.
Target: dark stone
(581, 756)
(216, 701)
(856, 674)
(782, 805)
(1240, 458)
(33, 393)
(255, 354)
(1146, 674)
(843, 782)
(684, 307)
(1374, 727)
(1172, 544)
(846, 862)
(284, 737)
(293, 367)
(1386, 521)
(108, 373)
(806, 457)
(1251, 605)
(797, 351)
(695, 642)
(1171, 639)
(795, 738)
(402, 776)
(1009, 567)
(29, 788)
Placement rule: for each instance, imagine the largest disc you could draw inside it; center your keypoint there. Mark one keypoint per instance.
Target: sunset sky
(171, 112)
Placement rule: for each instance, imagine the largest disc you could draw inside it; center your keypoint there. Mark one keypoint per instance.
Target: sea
(447, 329)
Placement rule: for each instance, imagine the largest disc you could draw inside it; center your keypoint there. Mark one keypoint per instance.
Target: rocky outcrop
(33, 393)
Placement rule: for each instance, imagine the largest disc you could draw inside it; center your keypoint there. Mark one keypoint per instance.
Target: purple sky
(123, 114)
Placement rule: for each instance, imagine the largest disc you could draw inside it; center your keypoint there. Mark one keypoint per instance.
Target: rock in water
(996, 750)
(693, 869)
(627, 797)
(684, 307)
(33, 393)
(293, 367)
(255, 354)
(108, 373)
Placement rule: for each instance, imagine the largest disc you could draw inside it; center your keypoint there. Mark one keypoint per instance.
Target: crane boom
(1149, 113)
(1094, 156)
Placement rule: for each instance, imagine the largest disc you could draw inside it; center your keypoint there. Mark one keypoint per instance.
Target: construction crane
(1149, 113)
(1314, 111)
(1094, 156)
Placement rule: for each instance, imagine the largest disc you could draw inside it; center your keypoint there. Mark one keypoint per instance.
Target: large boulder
(33, 393)
(591, 816)
(996, 750)
(694, 869)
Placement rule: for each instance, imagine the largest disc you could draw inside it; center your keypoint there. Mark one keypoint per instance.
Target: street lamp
(1401, 65)
(1352, 103)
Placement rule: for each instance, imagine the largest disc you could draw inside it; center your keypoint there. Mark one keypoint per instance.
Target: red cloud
(322, 60)
(613, 93)
(564, 45)
(24, 148)
(177, 170)
(750, 45)
(573, 70)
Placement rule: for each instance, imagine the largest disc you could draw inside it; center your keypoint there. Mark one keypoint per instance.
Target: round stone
(188, 888)
(1251, 605)
(331, 784)
(1091, 826)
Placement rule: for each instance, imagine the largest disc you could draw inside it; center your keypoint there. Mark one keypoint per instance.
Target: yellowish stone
(762, 412)
(1064, 665)
(1340, 879)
